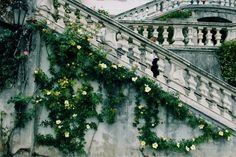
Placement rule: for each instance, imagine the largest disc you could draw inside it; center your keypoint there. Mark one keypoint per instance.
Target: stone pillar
(209, 37)
(165, 36)
(204, 91)
(200, 36)
(192, 85)
(218, 37)
(178, 36)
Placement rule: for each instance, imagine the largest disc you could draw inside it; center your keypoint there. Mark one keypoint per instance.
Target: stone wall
(117, 140)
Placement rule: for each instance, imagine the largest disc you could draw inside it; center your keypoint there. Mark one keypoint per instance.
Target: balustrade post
(190, 36)
(200, 2)
(178, 36)
(194, 1)
(227, 107)
(145, 32)
(136, 52)
(165, 36)
(161, 68)
(227, 3)
(200, 36)
(232, 3)
(222, 2)
(204, 91)
(155, 34)
(218, 36)
(192, 85)
(148, 61)
(206, 2)
(209, 37)
(135, 28)
(234, 107)
(215, 98)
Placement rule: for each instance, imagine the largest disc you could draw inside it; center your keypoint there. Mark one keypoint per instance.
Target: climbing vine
(185, 13)
(71, 101)
(227, 59)
(8, 63)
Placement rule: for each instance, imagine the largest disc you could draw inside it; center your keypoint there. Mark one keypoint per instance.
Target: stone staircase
(158, 8)
(204, 93)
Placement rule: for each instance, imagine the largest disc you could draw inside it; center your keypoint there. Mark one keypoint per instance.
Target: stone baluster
(227, 107)
(209, 37)
(192, 85)
(218, 36)
(161, 68)
(185, 2)
(234, 107)
(215, 98)
(119, 39)
(190, 36)
(206, 2)
(227, 3)
(155, 34)
(148, 60)
(194, 1)
(146, 11)
(136, 52)
(61, 13)
(135, 28)
(164, 6)
(145, 32)
(200, 2)
(165, 36)
(222, 2)
(232, 3)
(178, 36)
(204, 91)
(200, 36)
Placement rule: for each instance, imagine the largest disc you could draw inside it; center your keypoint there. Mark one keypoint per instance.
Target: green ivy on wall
(71, 100)
(185, 13)
(227, 59)
(8, 63)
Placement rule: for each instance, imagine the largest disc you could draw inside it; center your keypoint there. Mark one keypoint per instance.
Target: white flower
(180, 105)
(147, 88)
(67, 134)
(80, 31)
(221, 133)
(193, 147)
(36, 72)
(134, 79)
(102, 66)
(178, 145)
(78, 47)
(201, 126)
(74, 115)
(114, 66)
(120, 65)
(84, 93)
(142, 143)
(48, 92)
(187, 148)
(59, 126)
(58, 122)
(140, 106)
(88, 126)
(154, 145)
(226, 131)
(67, 104)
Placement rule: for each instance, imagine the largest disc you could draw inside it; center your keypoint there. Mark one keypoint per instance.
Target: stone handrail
(158, 8)
(187, 34)
(195, 87)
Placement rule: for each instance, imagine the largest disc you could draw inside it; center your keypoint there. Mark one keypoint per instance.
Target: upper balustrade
(158, 8)
(184, 34)
(202, 91)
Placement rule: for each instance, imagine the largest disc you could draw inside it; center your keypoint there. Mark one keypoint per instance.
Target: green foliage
(8, 63)
(177, 14)
(23, 115)
(227, 59)
(103, 12)
(70, 105)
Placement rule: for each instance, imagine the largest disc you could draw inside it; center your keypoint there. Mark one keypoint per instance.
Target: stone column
(178, 36)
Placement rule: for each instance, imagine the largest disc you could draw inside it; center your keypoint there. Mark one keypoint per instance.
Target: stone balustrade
(187, 34)
(157, 8)
(204, 93)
